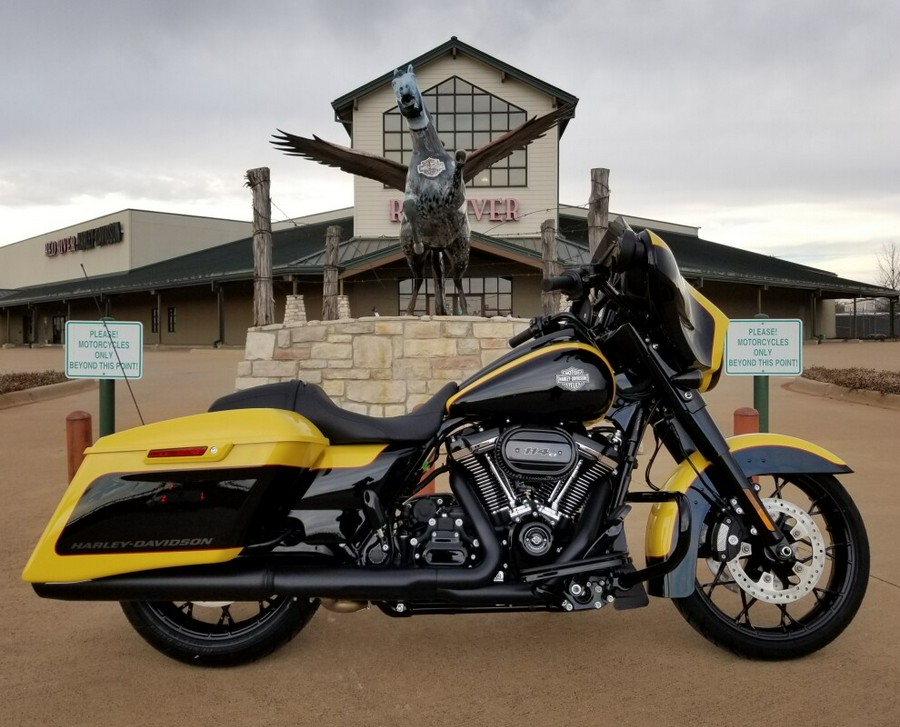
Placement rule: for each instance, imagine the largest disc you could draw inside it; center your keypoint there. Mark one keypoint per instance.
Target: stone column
(343, 306)
(294, 310)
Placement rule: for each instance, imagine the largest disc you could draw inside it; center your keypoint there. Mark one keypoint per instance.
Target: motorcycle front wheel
(219, 633)
(761, 609)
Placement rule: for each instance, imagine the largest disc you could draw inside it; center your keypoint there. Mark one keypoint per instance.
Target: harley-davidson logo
(143, 544)
(431, 167)
(573, 378)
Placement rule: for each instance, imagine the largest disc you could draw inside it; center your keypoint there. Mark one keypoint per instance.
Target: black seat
(339, 425)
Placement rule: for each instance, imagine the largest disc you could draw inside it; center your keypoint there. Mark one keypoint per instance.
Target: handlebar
(569, 283)
(521, 337)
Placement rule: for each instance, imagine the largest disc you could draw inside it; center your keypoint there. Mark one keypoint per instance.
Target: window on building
(484, 296)
(154, 320)
(466, 117)
(171, 320)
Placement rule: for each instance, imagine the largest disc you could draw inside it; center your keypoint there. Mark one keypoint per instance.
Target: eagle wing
(520, 137)
(386, 171)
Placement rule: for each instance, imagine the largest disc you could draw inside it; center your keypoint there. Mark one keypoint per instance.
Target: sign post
(105, 350)
(761, 347)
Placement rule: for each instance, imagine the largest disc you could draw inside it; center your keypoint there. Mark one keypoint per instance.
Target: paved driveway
(80, 664)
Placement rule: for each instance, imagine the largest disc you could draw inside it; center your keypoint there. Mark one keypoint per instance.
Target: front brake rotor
(755, 575)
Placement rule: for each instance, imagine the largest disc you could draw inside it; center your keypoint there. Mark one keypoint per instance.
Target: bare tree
(889, 265)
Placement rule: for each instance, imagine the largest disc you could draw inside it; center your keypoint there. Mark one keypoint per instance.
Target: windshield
(694, 326)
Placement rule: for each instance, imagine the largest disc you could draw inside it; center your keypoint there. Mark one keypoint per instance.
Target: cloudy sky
(771, 125)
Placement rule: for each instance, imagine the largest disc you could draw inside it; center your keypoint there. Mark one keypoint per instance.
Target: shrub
(29, 380)
(884, 382)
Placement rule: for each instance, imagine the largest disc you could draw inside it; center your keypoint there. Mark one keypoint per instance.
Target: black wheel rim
(796, 607)
(217, 621)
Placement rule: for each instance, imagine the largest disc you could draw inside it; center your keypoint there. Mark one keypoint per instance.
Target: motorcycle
(222, 533)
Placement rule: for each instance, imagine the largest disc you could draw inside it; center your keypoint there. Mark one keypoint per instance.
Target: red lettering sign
(496, 209)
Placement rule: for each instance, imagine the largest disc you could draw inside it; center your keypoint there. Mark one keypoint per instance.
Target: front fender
(756, 454)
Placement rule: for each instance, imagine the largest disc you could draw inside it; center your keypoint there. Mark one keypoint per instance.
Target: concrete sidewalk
(80, 663)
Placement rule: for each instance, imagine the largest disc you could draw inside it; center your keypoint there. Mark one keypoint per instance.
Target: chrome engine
(535, 480)
(544, 472)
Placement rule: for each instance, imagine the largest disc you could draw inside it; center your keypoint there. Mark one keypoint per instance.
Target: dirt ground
(66, 663)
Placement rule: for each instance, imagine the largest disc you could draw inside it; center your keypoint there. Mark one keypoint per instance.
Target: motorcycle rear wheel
(219, 633)
(761, 610)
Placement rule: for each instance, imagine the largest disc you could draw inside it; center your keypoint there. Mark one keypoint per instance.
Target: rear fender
(756, 454)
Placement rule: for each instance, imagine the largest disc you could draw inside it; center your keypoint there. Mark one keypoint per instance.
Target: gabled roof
(343, 106)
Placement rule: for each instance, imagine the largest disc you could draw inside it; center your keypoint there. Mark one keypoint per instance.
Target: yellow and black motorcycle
(222, 533)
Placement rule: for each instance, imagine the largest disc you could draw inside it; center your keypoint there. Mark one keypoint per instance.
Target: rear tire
(763, 610)
(219, 633)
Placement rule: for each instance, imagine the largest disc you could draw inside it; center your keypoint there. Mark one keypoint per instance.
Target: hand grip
(567, 283)
(521, 337)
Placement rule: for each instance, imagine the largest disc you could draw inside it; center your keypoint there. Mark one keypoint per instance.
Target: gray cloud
(693, 104)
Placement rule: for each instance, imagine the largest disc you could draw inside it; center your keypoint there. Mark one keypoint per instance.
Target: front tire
(761, 609)
(219, 633)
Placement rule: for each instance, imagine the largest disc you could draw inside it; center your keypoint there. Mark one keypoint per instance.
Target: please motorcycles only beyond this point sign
(764, 347)
(104, 349)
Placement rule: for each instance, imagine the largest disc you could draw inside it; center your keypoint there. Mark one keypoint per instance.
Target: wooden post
(549, 301)
(330, 284)
(598, 210)
(892, 312)
(263, 297)
(746, 420)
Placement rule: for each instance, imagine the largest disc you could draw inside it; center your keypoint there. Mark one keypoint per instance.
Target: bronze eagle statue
(435, 226)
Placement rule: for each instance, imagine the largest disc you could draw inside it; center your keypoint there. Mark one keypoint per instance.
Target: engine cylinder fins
(574, 497)
(488, 488)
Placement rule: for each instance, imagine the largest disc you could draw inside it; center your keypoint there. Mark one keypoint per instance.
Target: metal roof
(700, 259)
(300, 251)
(228, 262)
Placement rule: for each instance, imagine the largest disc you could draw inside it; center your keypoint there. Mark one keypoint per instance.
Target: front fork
(741, 493)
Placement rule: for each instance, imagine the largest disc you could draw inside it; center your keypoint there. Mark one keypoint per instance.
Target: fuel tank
(566, 381)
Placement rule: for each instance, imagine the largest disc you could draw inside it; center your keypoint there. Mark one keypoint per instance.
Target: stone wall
(381, 366)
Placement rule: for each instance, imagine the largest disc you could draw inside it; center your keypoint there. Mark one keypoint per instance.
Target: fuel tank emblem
(572, 378)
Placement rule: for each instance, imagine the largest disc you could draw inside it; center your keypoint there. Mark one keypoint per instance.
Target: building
(189, 279)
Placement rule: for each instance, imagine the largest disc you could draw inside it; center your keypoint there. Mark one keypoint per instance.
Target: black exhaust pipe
(244, 579)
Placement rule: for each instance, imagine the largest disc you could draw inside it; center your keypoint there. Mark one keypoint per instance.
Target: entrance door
(59, 324)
